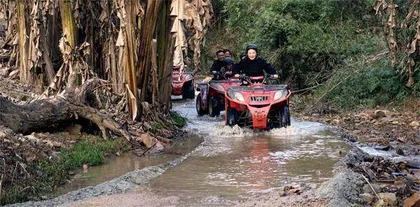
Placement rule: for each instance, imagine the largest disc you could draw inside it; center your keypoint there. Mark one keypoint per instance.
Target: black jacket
(253, 67)
(217, 65)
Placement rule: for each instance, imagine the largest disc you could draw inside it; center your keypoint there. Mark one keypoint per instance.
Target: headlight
(188, 77)
(239, 97)
(278, 95)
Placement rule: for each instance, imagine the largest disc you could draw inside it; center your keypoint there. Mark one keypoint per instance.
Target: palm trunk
(145, 46)
(23, 41)
(166, 43)
(129, 54)
(69, 41)
(69, 30)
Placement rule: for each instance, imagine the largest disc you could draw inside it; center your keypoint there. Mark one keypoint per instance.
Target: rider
(218, 64)
(252, 65)
(227, 70)
(242, 55)
(227, 53)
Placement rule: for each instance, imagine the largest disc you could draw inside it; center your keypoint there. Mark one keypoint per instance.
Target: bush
(363, 85)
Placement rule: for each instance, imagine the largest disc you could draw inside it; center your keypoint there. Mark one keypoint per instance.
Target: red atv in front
(257, 104)
(182, 83)
(211, 99)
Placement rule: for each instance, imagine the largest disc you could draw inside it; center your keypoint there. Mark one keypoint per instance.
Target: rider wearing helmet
(227, 70)
(252, 65)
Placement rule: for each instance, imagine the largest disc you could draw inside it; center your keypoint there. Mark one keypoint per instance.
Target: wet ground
(235, 162)
(227, 166)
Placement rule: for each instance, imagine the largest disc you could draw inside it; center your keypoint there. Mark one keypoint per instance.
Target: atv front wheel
(200, 110)
(285, 116)
(214, 109)
(232, 117)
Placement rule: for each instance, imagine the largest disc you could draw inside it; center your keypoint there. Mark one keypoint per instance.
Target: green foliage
(178, 120)
(312, 42)
(90, 152)
(362, 84)
(305, 39)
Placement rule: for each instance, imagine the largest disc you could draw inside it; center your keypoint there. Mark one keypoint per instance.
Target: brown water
(128, 162)
(235, 162)
(231, 163)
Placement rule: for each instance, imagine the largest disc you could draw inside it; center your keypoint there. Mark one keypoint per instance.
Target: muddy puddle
(128, 162)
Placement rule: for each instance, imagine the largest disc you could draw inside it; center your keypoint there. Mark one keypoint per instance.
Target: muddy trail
(224, 166)
(230, 164)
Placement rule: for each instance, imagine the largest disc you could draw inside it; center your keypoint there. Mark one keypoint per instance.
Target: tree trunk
(130, 57)
(166, 42)
(23, 41)
(147, 33)
(47, 113)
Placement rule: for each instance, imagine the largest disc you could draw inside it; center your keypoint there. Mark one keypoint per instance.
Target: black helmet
(228, 60)
(252, 46)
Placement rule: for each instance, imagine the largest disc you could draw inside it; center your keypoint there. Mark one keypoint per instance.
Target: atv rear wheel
(188, 92)
(214, 109)
(232, 117)
(200, 110)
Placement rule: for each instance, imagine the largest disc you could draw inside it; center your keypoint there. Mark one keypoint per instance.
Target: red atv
(211, 99)
(257, 104)
(182, 83)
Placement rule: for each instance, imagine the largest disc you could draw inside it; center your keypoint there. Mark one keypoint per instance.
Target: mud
(122, 184)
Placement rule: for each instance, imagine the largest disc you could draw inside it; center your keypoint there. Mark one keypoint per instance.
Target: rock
(412, 201)
(378, 114)
(414, 124)
(336, 121)
(367, 198)
(386, 200)
(395, 122)
(400, 151)
(146, 139)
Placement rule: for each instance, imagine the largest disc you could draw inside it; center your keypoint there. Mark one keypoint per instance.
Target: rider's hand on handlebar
(236, 75)
(214, 72)
(275, 76)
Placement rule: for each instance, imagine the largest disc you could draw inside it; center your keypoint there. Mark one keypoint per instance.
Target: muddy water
(128, 162)
(230, 163)
(235, 162)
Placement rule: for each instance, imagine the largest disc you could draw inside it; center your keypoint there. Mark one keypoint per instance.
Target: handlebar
(267, 76)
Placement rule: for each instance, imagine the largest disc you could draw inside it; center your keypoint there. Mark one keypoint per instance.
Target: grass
(363, 85)
(51, 173)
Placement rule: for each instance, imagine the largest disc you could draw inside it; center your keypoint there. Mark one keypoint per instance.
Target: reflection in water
(261, 166)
